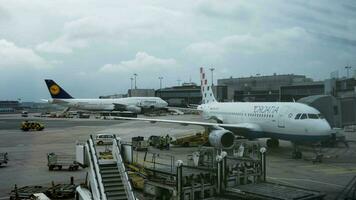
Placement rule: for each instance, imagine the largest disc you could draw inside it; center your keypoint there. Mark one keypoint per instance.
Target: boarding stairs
(111, 178)
(108, 178)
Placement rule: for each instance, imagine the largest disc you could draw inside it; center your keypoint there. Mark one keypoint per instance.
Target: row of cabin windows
(308, 116)
(246, 114)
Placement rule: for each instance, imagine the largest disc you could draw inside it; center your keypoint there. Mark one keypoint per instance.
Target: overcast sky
(93, 47)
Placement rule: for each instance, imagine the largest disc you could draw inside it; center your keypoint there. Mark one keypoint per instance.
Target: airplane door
(281, 118)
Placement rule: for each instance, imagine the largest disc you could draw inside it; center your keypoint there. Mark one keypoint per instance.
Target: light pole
(348, 67)
(212, 75)
(131, 82)
(131, 86)
(160, 85)
(135, 80)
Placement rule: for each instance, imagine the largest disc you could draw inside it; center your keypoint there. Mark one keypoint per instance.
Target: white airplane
(295, 122)
(133, 104)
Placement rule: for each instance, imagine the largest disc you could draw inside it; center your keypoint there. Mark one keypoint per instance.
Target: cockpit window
(313, 116)
(304, 116)
(298, 116)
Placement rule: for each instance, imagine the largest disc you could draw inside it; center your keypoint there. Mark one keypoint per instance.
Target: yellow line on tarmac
(307, 180)
(331, 170)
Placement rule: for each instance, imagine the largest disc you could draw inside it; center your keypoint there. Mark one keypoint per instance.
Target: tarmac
(28, 163)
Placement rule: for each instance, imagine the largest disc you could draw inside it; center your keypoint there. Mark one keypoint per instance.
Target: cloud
(142, 62)
(250, 44)
(229, 9)
(62, 45)
(13, 56)
(240, 37)
(114, 27)
(343, 41)
(4, 14)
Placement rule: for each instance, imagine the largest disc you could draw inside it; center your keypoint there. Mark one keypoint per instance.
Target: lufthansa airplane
(133, 104)
(295, 122)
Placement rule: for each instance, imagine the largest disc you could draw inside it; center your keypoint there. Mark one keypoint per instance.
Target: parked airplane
(295, 122)
(133, 104)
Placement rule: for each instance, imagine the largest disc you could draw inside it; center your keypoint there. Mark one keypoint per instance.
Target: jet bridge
(107, 177)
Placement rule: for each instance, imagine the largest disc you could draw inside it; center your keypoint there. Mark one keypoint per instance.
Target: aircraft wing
(119, 106)
(240, 127)
(183, 109)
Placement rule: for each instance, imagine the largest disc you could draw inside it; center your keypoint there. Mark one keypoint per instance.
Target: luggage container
(139, 143)
(56, 161)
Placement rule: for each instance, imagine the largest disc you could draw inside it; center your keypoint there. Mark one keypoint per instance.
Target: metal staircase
(108, 179)
(111, 178)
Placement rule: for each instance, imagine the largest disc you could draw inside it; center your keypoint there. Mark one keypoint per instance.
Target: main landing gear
(272, 143)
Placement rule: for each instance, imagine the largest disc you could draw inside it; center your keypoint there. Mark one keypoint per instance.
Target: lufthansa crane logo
(54, 89)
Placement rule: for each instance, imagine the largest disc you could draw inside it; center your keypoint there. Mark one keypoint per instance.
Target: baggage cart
(61, 161)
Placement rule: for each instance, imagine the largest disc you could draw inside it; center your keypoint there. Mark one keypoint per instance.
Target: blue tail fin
(56, 91)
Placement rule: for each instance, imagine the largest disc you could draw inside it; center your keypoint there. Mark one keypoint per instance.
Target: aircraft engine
(134, 109)
(221, 138)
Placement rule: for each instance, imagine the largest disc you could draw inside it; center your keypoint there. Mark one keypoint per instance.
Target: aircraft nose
(325, 128)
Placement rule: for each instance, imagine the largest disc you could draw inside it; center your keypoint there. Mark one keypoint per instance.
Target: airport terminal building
(9, 106)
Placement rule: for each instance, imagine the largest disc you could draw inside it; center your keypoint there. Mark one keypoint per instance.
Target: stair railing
(95, 164)
(121, 166)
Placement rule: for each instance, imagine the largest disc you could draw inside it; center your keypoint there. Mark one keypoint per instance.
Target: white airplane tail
(206, 89)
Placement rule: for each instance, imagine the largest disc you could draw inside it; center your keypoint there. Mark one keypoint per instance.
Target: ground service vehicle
(104, 138)
(24, 113)
(32, 125)
(61, 161)
(192, 140)
(160, 142)
(139, 143)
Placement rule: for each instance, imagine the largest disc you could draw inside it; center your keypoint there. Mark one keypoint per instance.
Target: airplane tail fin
(206, 90)
(56, 91)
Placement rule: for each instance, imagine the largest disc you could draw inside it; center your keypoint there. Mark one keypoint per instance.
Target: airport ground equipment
(138, 182)
(39, 196)
(196, 139)
(139, 143)
(336, 138)
(24, 114)
(238, 174)
(3, 158)
(104, 138)
(26, 192)
(113, 114)
(62, 191)
(61, 161)
(107, 178)
(32, 126)
(159, 142)
(55, 191)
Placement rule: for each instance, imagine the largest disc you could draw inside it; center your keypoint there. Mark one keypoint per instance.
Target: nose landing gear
(272, 143)
(297, 154)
